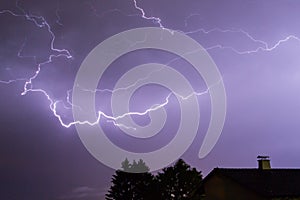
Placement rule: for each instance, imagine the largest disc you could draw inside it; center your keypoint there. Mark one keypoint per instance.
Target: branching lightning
(12, 81)
(40, 22)
(157, 20)
(264, 46)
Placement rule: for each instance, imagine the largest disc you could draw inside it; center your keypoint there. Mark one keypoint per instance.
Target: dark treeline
(177, 182)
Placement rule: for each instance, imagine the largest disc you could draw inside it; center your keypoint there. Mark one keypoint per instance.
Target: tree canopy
(177, 182)
(127, 184)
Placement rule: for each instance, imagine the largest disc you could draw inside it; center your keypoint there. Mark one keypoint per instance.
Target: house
(262, 183)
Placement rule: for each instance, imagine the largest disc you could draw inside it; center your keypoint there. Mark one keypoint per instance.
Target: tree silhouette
(128, 184)
(178, 182)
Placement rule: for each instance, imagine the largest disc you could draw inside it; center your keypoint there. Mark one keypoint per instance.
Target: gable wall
(219, 187)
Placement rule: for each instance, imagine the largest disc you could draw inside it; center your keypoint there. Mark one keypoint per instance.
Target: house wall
(218, 187)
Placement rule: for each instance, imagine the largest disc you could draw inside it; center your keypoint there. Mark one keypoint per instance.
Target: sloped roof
(268, 183)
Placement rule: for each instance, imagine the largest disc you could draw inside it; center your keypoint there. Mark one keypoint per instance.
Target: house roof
(268, 183)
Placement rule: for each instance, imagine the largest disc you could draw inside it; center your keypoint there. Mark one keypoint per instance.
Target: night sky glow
(255, 45)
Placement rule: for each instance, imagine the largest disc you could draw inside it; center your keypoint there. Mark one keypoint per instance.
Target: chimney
(263, 162)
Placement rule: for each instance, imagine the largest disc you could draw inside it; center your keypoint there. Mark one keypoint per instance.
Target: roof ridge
(274, 182)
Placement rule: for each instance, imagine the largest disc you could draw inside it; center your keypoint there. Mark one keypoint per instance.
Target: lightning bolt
(263, 46)
(157, 20)
(59, 52)
(115, 119)
(12, 81)
(40, 22)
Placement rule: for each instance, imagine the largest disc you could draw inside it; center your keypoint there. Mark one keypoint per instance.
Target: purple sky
(254, 44)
